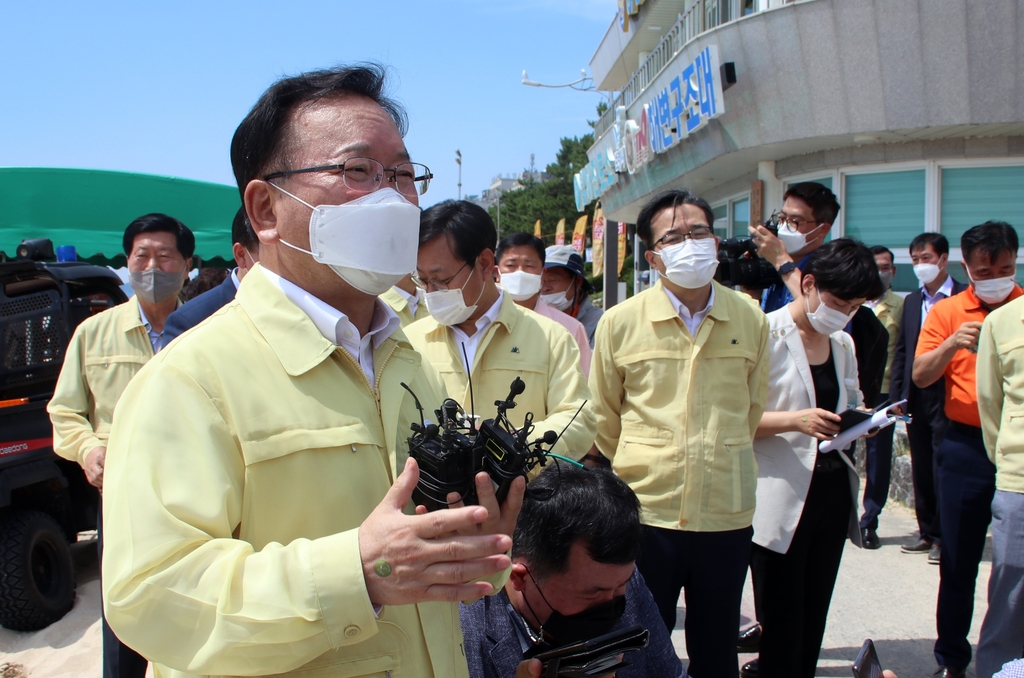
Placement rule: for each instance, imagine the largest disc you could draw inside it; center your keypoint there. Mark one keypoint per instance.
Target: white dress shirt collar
(337, 328)
(928, 300)
(692, 322)
(413, 300)
(235, 279)
(482, 323)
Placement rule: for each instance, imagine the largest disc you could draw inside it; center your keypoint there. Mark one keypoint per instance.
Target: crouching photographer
(573, 579)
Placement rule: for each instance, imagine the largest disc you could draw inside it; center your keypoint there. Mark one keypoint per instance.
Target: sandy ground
(885, 595)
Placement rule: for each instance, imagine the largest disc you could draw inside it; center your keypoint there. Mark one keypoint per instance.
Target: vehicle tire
(37, 577)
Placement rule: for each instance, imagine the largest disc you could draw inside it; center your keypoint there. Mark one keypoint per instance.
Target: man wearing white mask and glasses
(520, 259)
(105, 353)
(948, 349)
(477, 330)
(679, 378)
(261, 520)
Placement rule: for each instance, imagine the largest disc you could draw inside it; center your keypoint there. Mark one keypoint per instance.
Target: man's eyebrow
(360, 147)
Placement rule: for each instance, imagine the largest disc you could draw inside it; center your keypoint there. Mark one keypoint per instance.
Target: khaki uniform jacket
(242, 461)
(889, 311)
(104, 353)
(1001, 393)
(400, 305)
(520, 343)
(675, 414)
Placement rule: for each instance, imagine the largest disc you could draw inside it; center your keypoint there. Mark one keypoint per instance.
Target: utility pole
(458, 161)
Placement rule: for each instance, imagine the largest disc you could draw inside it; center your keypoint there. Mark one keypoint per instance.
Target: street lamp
(458, 161)
(578, 85)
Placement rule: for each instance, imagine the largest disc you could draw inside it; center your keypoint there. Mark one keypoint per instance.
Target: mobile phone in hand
(866, 664)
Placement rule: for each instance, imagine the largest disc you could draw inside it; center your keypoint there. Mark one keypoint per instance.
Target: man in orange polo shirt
(948, 348)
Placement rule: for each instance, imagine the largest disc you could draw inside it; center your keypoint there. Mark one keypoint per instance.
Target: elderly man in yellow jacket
(477, 330)
(680, 381)
(259, 516)
(104, 354)
(1001, 406)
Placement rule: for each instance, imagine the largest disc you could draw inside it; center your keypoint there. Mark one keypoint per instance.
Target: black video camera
(739, 263)
(452, 452)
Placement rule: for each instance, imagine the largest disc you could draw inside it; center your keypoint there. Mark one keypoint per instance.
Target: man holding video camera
(808, 210)
(573, 579)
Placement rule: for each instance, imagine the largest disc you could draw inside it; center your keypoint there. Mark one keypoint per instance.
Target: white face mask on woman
(825, 319)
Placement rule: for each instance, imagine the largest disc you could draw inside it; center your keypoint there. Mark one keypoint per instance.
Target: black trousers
(967, 484)
(119, 660)
(793, 590)
(878, 469)
(709, 567)
(924, 433)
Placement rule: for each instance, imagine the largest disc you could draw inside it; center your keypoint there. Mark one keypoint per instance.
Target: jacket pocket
(644, 458)
(733, 472)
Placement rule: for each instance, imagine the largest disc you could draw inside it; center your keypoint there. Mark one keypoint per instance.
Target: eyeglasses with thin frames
(437, 285)
(699, 233)
(367, 174)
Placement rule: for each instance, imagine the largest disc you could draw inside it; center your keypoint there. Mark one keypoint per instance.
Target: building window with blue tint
(974, 195)
(721, 225)
(740, 217)
(885, 208)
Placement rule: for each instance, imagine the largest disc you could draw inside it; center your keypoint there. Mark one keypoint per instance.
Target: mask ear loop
(543, 597)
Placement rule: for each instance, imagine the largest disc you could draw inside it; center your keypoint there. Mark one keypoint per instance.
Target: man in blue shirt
(573, 578)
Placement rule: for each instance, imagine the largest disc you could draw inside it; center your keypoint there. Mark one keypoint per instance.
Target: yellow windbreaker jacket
(104, 353)
(242, 461)
(524, 344)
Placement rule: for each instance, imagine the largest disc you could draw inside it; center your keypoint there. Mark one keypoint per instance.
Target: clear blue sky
(160, 88)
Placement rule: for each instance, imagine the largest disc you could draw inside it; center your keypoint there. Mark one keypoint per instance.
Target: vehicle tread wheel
(37, 576)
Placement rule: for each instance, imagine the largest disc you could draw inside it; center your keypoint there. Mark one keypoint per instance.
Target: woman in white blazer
(807, 500)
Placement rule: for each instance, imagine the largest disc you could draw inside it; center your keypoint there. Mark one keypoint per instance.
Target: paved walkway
(884, 595)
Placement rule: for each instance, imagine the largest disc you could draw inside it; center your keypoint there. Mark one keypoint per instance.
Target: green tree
(550, 200)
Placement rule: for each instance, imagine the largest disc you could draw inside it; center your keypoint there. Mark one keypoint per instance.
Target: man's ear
(517, 576)
(649, 256)
(259, 205)
(824, 229)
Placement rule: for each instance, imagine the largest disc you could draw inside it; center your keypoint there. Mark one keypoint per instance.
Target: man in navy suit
(930, 254)
(573, 578)
(245, 248)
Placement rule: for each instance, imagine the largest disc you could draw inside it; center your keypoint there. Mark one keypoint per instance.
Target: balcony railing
(699, 17)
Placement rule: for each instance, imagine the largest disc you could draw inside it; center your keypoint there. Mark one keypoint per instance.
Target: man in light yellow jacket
(679, 378)
(406, 300)
(259, 516)
(477, 329)
(1001, 406)
(104, 354)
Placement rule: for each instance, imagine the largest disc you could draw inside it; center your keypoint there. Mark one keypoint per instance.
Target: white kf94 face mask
(692, 263)
(370, 242)
(520, 285)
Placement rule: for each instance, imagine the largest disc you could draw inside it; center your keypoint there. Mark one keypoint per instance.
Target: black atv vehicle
(45, 501)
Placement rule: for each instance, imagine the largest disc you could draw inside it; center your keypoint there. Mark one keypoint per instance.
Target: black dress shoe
(869, 539)
(935, 554)
(749, 670)
(949, 672)
(749, 639)
(919, 546)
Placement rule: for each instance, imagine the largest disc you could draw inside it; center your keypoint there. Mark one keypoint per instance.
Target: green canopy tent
(91, 208)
